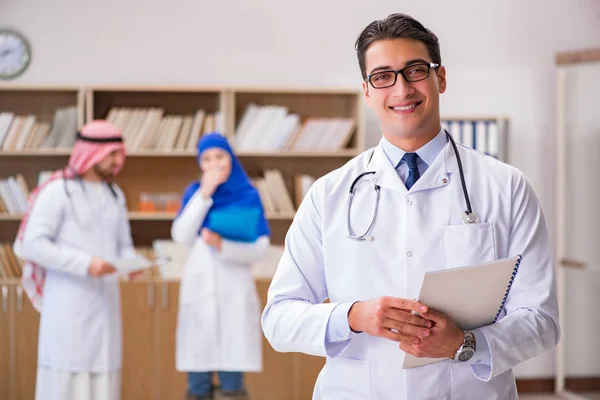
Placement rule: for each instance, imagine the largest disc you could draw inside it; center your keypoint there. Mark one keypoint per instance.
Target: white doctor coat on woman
(416, 231)
(218, 325)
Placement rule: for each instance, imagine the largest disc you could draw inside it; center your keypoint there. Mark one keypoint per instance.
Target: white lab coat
(416, 231)
(80, 322)
(218, 325)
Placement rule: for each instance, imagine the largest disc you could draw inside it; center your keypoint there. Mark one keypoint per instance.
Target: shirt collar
(428, 152)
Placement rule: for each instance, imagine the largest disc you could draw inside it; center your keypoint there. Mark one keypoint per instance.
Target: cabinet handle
(165, 296)
(4, 298)
(150, 295)
(19, 299)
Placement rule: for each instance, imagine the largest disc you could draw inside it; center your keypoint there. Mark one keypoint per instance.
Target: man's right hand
(99, 267)
(377, 317)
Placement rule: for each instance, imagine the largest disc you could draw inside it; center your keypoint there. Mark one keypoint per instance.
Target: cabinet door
(276, 381)
(138, 305)
(26, 331)
(6, 326)
(172, 383)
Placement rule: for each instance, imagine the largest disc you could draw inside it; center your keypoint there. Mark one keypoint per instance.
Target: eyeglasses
(412, 73)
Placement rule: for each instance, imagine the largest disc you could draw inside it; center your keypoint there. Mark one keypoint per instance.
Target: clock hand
(6, 52)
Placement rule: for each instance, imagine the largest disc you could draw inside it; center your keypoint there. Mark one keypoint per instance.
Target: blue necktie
(413, 171)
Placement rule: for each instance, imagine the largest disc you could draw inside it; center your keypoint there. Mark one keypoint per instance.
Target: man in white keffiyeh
(75, 226)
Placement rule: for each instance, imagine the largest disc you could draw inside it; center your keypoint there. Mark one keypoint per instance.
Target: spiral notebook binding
(510, 283)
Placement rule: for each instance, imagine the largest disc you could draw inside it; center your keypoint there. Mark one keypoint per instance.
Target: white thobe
(79, 351)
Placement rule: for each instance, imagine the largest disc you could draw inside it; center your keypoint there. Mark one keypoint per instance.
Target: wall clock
(15, 54)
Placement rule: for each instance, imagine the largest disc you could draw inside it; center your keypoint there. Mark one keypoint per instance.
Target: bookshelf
(42, 105)
(157, 167)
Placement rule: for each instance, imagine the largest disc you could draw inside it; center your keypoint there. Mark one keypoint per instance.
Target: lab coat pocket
(336, 375)
(469, 244)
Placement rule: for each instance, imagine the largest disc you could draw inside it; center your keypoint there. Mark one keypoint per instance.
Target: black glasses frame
(403, 73)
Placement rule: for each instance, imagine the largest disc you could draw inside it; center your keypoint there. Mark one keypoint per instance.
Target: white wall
(499, 55)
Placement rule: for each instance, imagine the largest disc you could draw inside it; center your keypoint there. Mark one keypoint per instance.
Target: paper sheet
(138, 263)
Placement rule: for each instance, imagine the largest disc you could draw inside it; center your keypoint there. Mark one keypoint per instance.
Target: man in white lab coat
(369, 325)
(75, 227)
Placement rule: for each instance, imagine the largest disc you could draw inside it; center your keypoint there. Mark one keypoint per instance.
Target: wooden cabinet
(276, 381)
(19, 326)
(149, 324)
(25, 341)
(5, 347)
(149, 312)
(172, 384)
(138, 314)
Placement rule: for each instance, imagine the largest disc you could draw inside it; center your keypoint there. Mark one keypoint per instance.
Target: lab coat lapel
(385, 173)
(437, 175)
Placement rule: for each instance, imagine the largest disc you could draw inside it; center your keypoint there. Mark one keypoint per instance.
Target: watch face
(15, 54)
(466, 354)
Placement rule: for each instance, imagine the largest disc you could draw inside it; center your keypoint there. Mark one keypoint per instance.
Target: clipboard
(139, 263)
(471, 296)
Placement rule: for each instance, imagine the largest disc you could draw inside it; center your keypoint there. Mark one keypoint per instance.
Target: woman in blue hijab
(222, 222)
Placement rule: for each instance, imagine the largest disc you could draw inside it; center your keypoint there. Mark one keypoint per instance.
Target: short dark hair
(396, 26)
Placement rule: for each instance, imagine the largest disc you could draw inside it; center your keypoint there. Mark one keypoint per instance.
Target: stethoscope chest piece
(470, 218)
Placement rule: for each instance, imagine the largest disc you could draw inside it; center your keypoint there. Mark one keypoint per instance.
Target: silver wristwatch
(466, 351)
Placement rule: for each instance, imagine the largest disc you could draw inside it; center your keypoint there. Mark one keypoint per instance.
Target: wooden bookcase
(41, 101)
(159, 171)
(150, 307)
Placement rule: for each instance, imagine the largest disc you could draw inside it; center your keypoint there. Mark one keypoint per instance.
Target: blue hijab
(234, 197)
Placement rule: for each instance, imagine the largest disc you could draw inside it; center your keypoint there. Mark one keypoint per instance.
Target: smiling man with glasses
(371, 322)
(408, 108)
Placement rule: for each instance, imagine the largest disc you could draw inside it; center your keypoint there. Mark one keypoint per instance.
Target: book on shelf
(27, 132)
(318, 134)
(274, 128)
(302, 183)
(14, 193)
(11, 266)
(273, 192)
(484, 135)
(146, 129)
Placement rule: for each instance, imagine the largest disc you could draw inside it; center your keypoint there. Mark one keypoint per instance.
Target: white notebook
(471, 296)
(138, 263)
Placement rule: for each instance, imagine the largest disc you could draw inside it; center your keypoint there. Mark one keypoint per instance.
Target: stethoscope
(68, 193)
(467, 217)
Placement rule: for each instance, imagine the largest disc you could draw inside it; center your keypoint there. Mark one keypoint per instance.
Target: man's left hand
(212, 239)
(443, 342)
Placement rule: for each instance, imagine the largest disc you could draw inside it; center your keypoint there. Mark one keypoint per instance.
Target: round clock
(15, 54)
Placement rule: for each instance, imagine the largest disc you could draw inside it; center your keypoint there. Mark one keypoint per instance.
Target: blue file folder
(237, 224)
